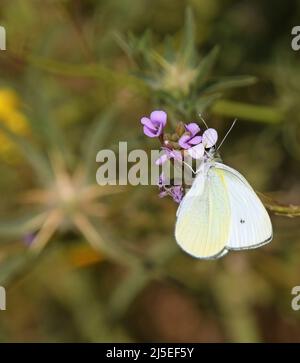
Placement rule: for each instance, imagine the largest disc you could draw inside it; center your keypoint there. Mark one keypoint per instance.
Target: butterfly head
(213, 155)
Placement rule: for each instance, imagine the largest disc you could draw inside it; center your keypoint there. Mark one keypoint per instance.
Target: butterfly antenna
(189, 167)
(227, 133)
(203, 120)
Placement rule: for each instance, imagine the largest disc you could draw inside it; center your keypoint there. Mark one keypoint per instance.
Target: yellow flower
(12, 117)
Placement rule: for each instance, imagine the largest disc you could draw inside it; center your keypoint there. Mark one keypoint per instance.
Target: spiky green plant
(180, 79)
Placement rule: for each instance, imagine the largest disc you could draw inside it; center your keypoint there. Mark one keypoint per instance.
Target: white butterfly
(220, 212)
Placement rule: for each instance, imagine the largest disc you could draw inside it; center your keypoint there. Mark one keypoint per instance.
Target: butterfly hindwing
(250, 224)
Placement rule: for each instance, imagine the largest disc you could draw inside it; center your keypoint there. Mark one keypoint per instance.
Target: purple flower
(190, 138)
(169, 154)
(209, 138)
(153, 126)
(175, 191)
(196, 152)
(163, 193)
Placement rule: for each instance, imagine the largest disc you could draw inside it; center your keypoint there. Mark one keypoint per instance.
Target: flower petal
(149, 132)
(193, 128)
(159, 117)
(162, 159)
(195, 140)
(163, 194)
(146, 121)
(183, 141)
(176, 155)
(209, 137)
(176, 193)
(196, 152)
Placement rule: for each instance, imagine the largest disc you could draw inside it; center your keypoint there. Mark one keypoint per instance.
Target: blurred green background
(76, 77)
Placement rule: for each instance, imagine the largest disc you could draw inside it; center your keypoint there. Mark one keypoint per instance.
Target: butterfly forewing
(203, 219)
